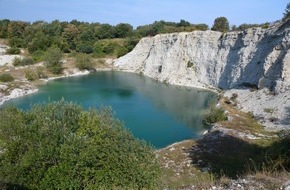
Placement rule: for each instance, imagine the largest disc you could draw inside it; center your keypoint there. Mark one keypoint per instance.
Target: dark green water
(158, 113)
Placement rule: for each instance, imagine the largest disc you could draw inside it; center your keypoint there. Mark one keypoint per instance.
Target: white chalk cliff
(254, 57)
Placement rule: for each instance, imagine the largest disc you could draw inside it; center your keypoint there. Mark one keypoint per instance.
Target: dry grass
(178, 170)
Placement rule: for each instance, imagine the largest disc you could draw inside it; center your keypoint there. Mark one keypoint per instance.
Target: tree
(123, 30)
(287, 12)
(62, 146)
(105, 31)
(183, 23)
(52, 59)
(221, 24)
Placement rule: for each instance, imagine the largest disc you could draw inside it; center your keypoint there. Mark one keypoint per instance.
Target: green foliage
(105, 31)
(221, 24)
(123, 30)
(85, 47)
(13, 51)
(23, 62)
(61, 146)
(38, 55)
(103, 47)
(215, 114)
(84, 62)
(6, 77)
(31, 75)
(287, 12)
(39, 42)
(52, 59)
(4, 28)
(189, 64)
(247, 26)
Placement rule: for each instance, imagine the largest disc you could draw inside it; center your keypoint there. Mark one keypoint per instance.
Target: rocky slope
(254, 58)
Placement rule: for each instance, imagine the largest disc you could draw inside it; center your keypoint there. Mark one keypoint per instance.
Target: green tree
(4, 28)
(287, 12)
(39, 42)
(183, 23)
(221, 24)
(70, 35)
(62, 146)
(84, 62)
(123, 30)
(52, 60)
(105, 31)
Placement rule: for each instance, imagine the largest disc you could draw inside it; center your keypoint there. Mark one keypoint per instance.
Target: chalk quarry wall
(254, 57)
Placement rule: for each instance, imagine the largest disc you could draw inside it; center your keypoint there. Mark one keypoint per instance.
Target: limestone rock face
(255, 57)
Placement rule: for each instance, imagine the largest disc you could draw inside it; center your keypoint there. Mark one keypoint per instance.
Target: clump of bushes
(31, 75)
(84, 62)
(52, 60)
(6, 77)
(215, 114)
(13, 51)
(23, 62)
(62, 146)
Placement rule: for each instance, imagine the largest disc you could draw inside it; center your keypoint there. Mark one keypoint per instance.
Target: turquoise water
(158, 113)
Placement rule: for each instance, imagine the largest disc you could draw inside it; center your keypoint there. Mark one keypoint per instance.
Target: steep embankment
(254, 58)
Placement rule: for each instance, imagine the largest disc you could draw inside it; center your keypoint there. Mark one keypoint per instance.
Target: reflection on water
(158, 113)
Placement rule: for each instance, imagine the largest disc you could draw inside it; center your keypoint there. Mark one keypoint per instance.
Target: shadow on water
(229, 156)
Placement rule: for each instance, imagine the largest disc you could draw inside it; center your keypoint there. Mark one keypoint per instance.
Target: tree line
(84, 37)
(96, 38)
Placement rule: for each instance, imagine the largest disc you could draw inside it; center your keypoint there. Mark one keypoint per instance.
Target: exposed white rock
(6, 59)
(255, 57)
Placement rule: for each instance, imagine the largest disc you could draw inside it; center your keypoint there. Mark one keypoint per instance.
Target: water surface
(158, 113)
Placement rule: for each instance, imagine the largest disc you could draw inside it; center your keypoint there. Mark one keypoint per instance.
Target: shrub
(31, 75)
(84, 62)
(27, 61)
(6, 77)
(38, 55)
(40, 72)
(214, 115)
(62, 146)
(189, 64)
(53, 60)
(221, 24)
(13, 51)
(23, 62)
(16, 61)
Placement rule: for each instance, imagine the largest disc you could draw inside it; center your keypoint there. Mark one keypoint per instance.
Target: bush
(53, 60)
(6, 77)
(23, 62)
(13, 51)
(38, 55)
(221, 24)
(31, 75)
(62, 146)
(40, 72)
(84, 62)
(214, 115)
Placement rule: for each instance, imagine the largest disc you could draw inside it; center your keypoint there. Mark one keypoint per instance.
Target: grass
(177, 169)
(264, 160)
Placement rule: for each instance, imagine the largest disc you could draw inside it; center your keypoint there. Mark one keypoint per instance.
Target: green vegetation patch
(6, 77)
(62, 146)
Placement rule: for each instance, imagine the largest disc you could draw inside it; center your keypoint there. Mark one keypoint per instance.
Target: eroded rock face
(255, 57)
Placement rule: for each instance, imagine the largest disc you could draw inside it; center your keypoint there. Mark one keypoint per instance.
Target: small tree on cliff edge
(221, 24)
(287, 12)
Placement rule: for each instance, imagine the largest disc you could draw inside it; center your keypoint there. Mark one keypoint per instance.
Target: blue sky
(140, 12)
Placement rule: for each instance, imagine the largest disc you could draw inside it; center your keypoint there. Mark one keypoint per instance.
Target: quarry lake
(158, 113)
